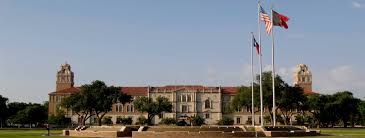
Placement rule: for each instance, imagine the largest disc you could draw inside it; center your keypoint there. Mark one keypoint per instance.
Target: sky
(170, 42)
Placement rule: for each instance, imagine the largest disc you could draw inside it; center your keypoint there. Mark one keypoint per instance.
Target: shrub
(107, 120)
(225, 121)
(267, 119)
(181, 123)
(197, 120)
(141, 120)
(124, 121)
(249, 121)
(168, 121)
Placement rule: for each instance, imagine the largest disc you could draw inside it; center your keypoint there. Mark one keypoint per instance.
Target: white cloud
(340, 78)
(357, 5)
(342, 74)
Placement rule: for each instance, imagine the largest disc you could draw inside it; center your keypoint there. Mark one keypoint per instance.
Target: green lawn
(29, 133)
(343, 132)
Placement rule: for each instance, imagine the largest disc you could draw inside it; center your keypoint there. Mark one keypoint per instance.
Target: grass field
(31, 133)
(343, 132)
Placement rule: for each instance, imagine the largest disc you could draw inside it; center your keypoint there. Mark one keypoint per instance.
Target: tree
(346, 106)
(267, 90)
(36, 114)
(59, 118)
(15, 107)
(361, 115)
(329, 110)
(32, 114)
(314, 106)
(243, 97)
(95, 99)
(291, 101)
(152, 108)
(21, 117)
(3, 110)
(104, 97)
(80, 105)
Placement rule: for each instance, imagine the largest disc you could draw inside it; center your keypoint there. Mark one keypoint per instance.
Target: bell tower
(65, 78)
(303, 78)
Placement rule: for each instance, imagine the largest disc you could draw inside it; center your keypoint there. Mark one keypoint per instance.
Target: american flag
(265, 17)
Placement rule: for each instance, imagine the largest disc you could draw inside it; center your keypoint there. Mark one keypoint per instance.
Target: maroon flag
(279, 19)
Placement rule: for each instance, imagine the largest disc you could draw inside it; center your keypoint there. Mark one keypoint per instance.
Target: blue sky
(164, 42)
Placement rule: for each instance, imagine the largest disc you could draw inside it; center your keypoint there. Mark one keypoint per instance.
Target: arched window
(207, 103)
(129, 108)
(120, 108)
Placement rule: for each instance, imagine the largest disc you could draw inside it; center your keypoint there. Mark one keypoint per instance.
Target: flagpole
(261, 95)
(252, 75)
(273, 69)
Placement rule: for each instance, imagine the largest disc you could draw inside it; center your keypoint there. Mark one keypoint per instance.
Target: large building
(211, 103)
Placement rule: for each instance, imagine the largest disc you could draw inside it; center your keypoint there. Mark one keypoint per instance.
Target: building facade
(211, 103)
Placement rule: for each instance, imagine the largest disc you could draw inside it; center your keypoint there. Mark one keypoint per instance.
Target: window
(119, 108)
(189, 98)
(184, 108)
(183, 98)
(207, 115)
(58, 98)
(238, 120)
(207, 103)
(226, 107)
(129, 108)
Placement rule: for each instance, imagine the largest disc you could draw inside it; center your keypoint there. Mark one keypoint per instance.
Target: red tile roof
(134, 90)
(230, 90)
(68, 90)
(128, 90)
(144, 90)
(185, 87)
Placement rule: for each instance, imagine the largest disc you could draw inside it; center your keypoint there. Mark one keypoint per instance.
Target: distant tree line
(316, 110)
(17, 114)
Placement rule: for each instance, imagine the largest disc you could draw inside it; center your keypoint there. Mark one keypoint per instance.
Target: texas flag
(256, 45)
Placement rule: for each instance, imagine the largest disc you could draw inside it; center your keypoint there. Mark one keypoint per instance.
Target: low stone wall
(87, 133)
(290, 134)
(185, 134)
